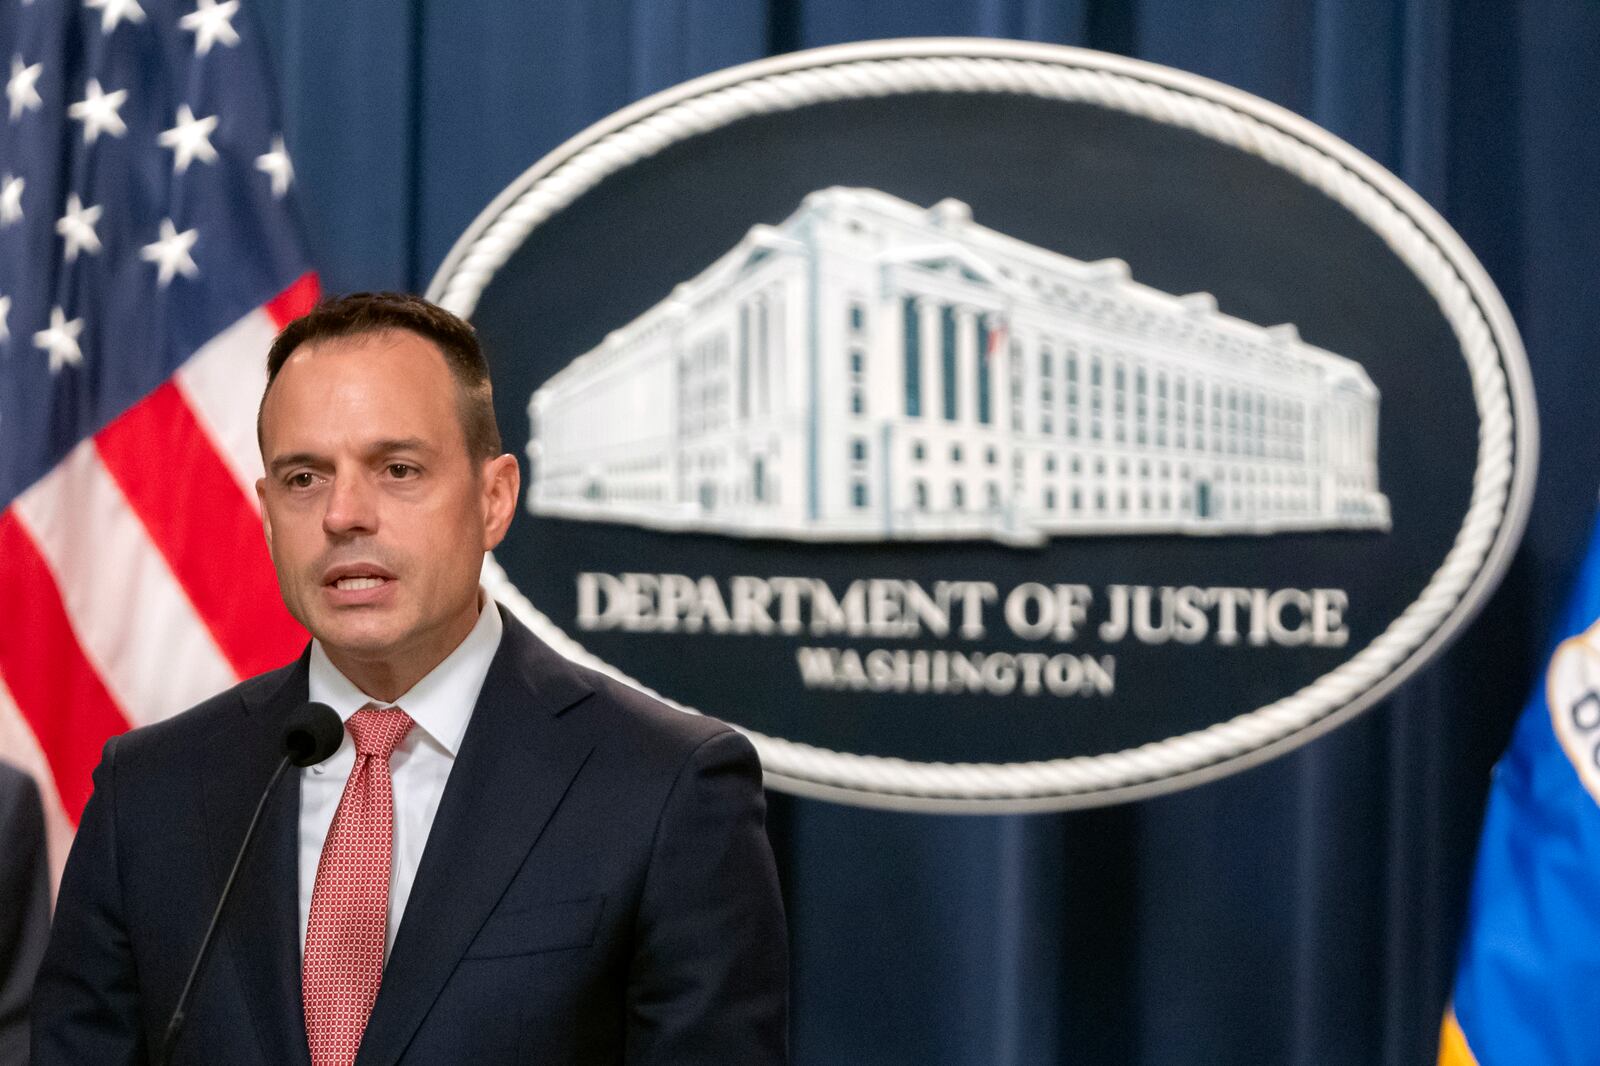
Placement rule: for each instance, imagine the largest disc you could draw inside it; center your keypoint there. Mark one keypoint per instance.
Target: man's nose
(352, 506)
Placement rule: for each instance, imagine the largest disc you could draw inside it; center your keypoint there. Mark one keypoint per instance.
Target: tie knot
(378, 730)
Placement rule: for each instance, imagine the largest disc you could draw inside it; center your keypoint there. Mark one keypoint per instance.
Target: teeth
(352, 584)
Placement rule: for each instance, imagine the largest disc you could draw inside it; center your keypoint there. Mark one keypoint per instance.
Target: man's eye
(402, 470)
(303, 480)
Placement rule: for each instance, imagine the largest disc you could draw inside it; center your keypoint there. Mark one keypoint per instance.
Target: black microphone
(313, 732)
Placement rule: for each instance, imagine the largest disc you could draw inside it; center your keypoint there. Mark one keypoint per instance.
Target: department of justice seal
(986, 426)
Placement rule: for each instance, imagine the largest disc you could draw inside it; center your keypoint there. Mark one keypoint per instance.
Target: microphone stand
(170, 1041)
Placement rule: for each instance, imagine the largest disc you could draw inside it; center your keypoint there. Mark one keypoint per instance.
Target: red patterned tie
(350, 903)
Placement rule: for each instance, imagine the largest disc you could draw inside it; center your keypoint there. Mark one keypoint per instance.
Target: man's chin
(358, 641)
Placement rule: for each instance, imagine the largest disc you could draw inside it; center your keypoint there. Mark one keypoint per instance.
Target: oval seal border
(1503, 478)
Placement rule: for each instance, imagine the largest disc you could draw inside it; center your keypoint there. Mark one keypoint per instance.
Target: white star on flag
(211, 22)
(60, 340)
(5, 313)
(275, 164)
(114, 11)
(190, 139)
(98, 112)
(77, 228)
(11, 200)
(22, 90)
(171, 253)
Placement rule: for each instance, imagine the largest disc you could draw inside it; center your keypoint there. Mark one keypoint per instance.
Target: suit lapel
(515, 765)
(260, 930)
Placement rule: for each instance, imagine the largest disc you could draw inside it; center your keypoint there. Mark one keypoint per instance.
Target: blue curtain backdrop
(1302, 912)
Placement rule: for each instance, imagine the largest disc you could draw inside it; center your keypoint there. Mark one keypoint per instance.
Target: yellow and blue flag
(1528, 979)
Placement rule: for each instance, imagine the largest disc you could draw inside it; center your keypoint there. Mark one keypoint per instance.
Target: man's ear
(266, 519)
(502, 481)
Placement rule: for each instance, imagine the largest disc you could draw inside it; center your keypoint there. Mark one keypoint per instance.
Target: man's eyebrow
(387, 446)
(400, 444)
(296, 459)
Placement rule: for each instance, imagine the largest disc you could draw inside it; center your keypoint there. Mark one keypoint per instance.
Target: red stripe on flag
(209, 534)
(294, 301)
(54, 685)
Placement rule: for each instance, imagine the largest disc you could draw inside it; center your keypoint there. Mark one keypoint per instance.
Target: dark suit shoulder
(646, 737)
(664, 727)
(181, 732)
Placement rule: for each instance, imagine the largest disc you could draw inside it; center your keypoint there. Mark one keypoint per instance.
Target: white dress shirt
(440, 705)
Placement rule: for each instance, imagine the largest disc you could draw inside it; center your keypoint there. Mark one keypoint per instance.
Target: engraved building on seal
(872, 370)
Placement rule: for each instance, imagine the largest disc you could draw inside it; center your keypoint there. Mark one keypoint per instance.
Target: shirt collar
(441, 703)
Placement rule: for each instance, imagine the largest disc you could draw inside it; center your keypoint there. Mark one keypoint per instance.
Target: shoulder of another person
(15, 784)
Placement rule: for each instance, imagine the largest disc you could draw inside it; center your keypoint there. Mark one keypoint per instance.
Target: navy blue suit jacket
(597, 887)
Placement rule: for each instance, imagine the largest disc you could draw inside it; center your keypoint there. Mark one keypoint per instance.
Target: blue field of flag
(1528, 980)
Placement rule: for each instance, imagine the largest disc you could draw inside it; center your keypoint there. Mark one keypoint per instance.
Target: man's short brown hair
(362, 313)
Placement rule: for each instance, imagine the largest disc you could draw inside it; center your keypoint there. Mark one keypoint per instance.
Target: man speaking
(507, 859)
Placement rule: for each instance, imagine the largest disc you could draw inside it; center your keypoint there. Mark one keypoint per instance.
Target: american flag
(997, 338)
(148, 253)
